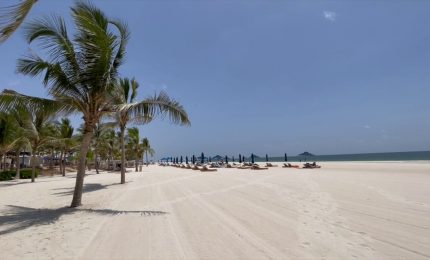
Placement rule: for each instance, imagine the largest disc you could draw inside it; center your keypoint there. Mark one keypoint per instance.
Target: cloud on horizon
(329, 15)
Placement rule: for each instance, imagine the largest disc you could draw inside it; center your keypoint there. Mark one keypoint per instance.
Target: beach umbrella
(285, 157)
(240, 158)
(226, 159)
(252, 158)
(186, 159)
(306, 154)
(267, 158)
(181, 158)
(203, 158)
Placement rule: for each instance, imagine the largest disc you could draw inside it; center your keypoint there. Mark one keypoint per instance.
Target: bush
(6, 175)
(24, 174)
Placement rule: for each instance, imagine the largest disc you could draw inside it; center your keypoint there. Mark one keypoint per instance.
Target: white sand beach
(362, 210)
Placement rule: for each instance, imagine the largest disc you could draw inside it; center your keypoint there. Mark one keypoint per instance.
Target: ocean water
(398, 156)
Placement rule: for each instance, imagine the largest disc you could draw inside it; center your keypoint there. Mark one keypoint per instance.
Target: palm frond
(11, 17)
(157, 106)
(11, 100)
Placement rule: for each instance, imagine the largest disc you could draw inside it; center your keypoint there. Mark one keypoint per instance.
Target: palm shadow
(88, 187)
(18, 218)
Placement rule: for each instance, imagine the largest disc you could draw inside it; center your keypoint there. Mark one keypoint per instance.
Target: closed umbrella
(181, 158)
(186, 159)
(194, 159)
(267, 158)
(285, 157)
(232, 158)
(240, 158)
(226, 159)
(203, 158)
(252, 158)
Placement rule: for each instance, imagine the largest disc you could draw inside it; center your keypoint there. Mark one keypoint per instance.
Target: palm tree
(99, 134)
(81, 74)
(125, 95)
(134, 146)
(7, 137)
(147, 149)
(33, 116)
(11, 17)
(66, 141)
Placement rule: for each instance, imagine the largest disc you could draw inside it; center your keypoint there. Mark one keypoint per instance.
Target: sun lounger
(258, 167)
(271, 165)
(288, 165)
(204, 168)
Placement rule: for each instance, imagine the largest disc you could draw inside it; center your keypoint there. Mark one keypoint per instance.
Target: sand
(342, 211)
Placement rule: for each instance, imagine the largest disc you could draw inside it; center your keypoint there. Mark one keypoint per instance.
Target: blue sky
(329, 77)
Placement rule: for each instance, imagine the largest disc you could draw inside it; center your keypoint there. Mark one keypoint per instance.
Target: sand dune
(342, 211)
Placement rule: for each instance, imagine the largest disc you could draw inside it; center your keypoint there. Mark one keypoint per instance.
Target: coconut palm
(81, 73)
(147, 149)
(7, 137)
(11, 17)
(99, 141)
(125, 95)
(33, 115)
(65, 140)
(134, 146)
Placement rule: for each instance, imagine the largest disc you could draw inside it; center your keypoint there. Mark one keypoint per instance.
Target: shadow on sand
(88, 187)
(20, 218)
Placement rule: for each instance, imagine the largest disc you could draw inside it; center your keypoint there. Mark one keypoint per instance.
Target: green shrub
(24, 174)
(6, 175)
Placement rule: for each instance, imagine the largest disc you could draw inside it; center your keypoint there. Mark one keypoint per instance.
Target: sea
(396, 156)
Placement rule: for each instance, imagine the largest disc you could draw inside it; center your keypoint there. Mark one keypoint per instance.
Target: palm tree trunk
(122, 156)
(146, 153)
(77, 194)
(61, 162)
(136, 164)
(96, 162)
(33, 164)
(17, 175)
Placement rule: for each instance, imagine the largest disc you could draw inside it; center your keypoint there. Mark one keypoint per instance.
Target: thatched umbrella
(306, 154)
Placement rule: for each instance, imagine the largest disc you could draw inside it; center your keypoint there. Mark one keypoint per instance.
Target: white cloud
(329, 15)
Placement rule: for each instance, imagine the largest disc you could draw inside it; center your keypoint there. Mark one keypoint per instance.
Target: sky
(269, 77)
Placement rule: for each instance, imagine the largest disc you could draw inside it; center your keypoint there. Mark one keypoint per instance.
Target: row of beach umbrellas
(202, 158)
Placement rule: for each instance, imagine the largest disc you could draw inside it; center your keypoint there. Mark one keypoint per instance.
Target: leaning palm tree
(81, 73)
(140, 112)
(147, 149)
(11, 17)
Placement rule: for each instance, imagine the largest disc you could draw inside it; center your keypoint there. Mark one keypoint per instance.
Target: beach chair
(204, 168)
(271, 165)
(258, 167)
